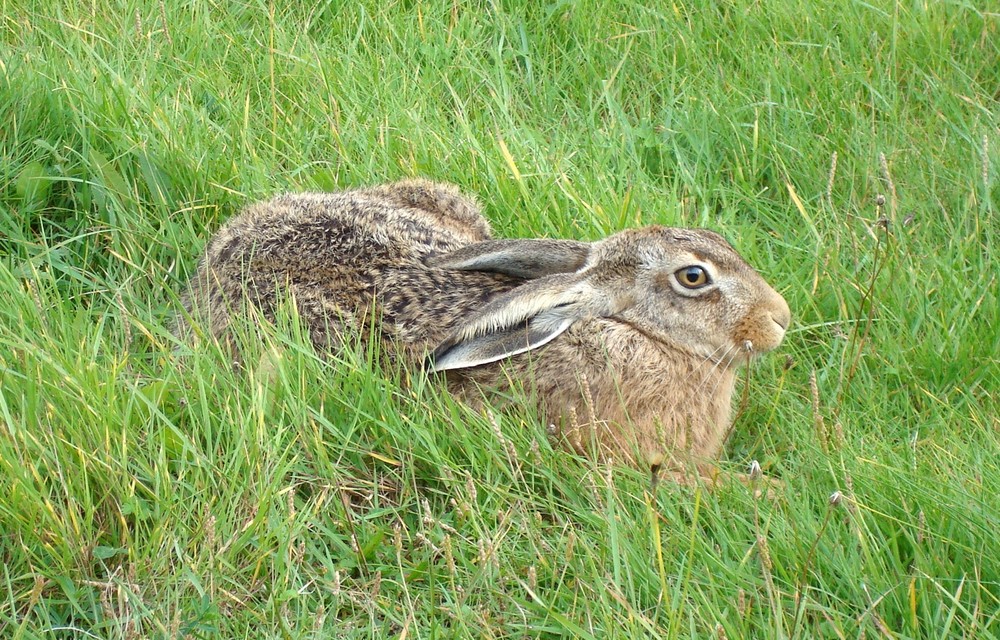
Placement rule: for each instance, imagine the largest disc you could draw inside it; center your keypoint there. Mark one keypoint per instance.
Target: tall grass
(850, 151)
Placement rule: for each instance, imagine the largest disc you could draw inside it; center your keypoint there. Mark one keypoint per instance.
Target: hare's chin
(748, 350)
(735, 356)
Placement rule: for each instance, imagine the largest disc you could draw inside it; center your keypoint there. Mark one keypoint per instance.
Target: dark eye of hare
(692, 277)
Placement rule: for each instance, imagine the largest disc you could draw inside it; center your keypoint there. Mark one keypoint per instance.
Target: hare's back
(306, 230)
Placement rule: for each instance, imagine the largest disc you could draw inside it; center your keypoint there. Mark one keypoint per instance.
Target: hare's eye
(692, 277)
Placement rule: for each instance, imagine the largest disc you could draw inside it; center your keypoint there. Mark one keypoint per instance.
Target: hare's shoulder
(425, 304)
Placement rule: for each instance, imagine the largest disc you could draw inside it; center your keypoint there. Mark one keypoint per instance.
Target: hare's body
(629, 344)
(628, 395)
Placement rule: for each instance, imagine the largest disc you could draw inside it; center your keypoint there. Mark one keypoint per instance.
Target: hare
(630, 344)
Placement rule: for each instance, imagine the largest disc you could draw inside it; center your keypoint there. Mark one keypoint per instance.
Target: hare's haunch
(630, 343)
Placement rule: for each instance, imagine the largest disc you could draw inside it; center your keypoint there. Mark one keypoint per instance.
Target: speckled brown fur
(335, 253)
(620, 353)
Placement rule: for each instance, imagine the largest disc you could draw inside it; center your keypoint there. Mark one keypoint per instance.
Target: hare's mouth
(733, 355)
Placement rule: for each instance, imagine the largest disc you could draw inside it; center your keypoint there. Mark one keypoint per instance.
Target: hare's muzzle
(763, 328)
(781, 315)
(777, 317)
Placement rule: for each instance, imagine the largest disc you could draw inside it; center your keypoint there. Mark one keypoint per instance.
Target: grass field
(851, 151)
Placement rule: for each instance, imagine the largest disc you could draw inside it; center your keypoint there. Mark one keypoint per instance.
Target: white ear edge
(528, 308)
(495, 346)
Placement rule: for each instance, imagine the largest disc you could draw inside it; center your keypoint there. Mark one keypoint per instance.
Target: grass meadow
(851, 151)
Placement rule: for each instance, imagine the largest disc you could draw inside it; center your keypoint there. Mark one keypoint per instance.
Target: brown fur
(617, 352)
(334, 252)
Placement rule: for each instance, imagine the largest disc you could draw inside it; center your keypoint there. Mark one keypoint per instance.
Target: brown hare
(630, 344)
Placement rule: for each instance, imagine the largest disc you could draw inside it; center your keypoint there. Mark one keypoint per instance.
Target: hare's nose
(781, 314)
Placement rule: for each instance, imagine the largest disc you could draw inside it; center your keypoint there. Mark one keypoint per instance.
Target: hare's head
(690, 289)
(685, 288)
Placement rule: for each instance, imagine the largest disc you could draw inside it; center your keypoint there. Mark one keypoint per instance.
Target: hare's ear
(520, 320)
(523, 258)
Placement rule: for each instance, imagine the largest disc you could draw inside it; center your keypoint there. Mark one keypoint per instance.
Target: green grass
(150, 491)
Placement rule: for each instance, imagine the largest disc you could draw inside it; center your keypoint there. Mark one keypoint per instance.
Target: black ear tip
(428, 364)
